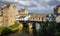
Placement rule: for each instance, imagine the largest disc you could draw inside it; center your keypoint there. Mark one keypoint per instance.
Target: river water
(35, 29)
(25, 33)
(28, 31)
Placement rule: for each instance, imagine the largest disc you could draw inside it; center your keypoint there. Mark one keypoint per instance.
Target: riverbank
(9, 29)
(43, 30)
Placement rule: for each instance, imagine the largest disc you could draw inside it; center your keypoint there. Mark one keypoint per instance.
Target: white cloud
(25, 3)
(15, 0)
(10, 0)
(43, 1)
(40, 4)
(58, 0)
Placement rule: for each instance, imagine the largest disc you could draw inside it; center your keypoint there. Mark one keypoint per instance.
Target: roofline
(39, 13)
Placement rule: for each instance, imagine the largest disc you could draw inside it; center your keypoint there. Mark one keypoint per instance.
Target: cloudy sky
(36, 6)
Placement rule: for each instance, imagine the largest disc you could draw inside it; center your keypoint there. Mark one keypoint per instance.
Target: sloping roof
(22, 16)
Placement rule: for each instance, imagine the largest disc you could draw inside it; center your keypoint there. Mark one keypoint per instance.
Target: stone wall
(9, 14)
(23, 11)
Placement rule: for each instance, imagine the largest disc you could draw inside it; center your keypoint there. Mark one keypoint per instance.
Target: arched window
(33, 18)
(39, 18)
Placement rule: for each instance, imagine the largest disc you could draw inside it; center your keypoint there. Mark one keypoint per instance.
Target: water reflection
(28, 30)
(20, 27)
(38, 27)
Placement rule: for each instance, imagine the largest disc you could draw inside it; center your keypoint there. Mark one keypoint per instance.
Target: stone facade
(58, 19)
(24, 13)
(57, 13)
(42, 17)
(8, 14)
(57, 10)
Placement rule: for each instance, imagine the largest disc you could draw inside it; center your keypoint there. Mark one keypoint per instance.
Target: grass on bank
(9, 27)
(1, 29)
(14, 26)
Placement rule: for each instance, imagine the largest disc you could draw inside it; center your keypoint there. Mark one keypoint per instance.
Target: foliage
(6, 31)
(57, 33)
(14, 26)
(1, 29)
(53, 28)
(48, 28)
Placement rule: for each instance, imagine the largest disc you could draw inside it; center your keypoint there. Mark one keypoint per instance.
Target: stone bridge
(32, 20)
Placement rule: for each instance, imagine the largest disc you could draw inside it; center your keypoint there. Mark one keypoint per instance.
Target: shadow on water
(36, 30)
(6, 32)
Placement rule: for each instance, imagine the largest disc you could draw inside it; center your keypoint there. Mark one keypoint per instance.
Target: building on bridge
(24, 15)
(23, 11)
(32, 19)
(55, 16)
(57, 13)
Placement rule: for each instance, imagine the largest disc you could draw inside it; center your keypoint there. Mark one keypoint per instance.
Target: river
(27, 31)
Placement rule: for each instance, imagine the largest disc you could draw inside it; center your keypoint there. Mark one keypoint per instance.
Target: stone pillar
(30, 29)
(21, 27)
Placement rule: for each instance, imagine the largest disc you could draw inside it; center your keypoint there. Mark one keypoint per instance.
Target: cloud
(40, 6)
(43, 1)
(15, 0)
(58, 0)
(25, 3)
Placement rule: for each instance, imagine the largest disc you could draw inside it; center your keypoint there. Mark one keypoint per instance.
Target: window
(0, 13)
